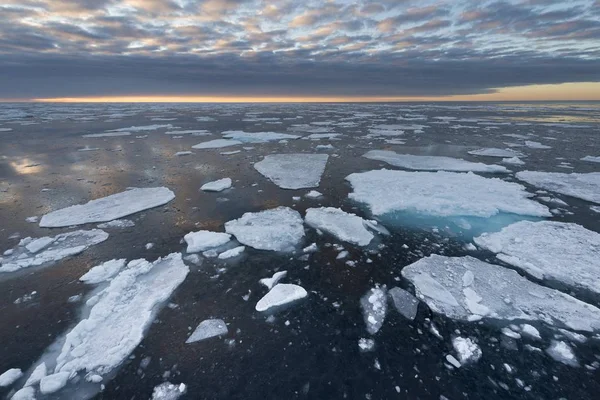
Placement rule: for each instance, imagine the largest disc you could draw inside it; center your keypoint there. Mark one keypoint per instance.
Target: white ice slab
(293, 171)
(591, 159)
(467, 289)
(281, 294)
(217, 186)
(205, 240)
(536, 145)
(50, 249)
(278, 229)
(374, 308)
(582, 186)
(8, 377)
(53, 383)
(257, 137)
(231, 253)
(207, 329)
(143, 128)
(103, 272)
(513, 161)
(168, 391)
(562, 352)
(404, 302)
(467, 350)
(431, 163)
(274, 280)
(563, 252)
(107, 134)
(441, 194)
(345, 226)
(493, 152)
(108, 208)
(117, 223)
(216, 144)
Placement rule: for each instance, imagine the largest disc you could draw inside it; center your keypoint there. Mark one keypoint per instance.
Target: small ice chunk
(217, 186)
(257, 137)
(26, 393)
(313, 194)
(168, 391)
(216, 144)
(103, 272)
(148, 246)
(270, 282)
(345, 226)
(467, 350)
(53, 383)
(374, 307)
(562, 352)
(582, 186)
(405, 303)
(281, 294)
(453, 361)
(207, 329)
(513, 161)
(293, 171)
(117, 223)
(205, 240)
(530, 331)
(365, 344)
(10, 376)
(493, 152)
(231, 253)
(38, 244)
(536, 145)
(36, 376)
(310, 249)
(32, 220)
(278, 229)
(183, 153)
(591, 159)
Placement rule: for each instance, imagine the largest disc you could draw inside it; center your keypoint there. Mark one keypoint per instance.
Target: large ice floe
(108, 208)
(48, 249)
(431, 163)
(493, 152)
(465, 288)
(293, 171)
(345, 226)
(278, 229)
(117, 316)
(582, 186)
(562, 252)
(257, 137)
(280, 295)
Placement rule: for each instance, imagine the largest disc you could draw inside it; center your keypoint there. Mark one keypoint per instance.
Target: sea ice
(117, 223)
(493, 152)
(36, 376)
(103, 272)
(431, 163)
(281, 294)
(10, 376)
(216, 144)
(513, 161)
(168, 391)
(293, 171)
(467, 350)
(278, 229)
(207, 329)
(108, 208)
(33, 252)
(274, 280)
(562, 352)
(205, 240)
(231, 253)
(441, 194)
(494, 292)
(313, 194)
(107, 134)
(536, 145)
(183, 153)
(194, 132)
(53, 383)
(217, 186)
(563, 252)
(591, 159)
(345, 226)
(374, 308)
(582, 186)
(405, 303)
(26, 393)
(257, 137)
(143, 128)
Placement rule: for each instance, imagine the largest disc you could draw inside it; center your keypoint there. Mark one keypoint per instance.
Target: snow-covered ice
(103, 272)
(274, 280)
(257, 137)
(431, 163)
(562, 352)
(36, 376)
(107, 208)
(207, 329)
(168, 391)
(183, 153)
(231, 253)
(493, 152)
(591, 159)
(467, 350)
(536, 145)
(495, 292)
(8, 377)
(117, 223)
(374, 308)
(281, 294)
(216, 144)
(582, 186)
(404, 302)
(345, 226)
(293, 171)
(313, 194)
(204, 240)
(217, 186)
(33, 252)
(563, 252)
(277, 229)
(513, 161)
(53, 383)
(25, 393)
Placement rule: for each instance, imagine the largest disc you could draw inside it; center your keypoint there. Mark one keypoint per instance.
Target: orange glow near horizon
(582, 91)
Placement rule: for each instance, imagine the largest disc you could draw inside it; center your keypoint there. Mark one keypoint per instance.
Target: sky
(299, 50)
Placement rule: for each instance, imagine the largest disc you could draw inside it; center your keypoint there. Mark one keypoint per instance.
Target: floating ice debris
(595, 209)
(562, 352)
(207, 329)
(467, 350)
(32, 220)
(324, 147)
(148, 246)
(88, 148)
(103, 272)
(205, 240)
(319, 136)
(10, 376)
(431, 163)
(53, 383)
(493, 152)
(345, 226)
(281, 294)
(183, 153)
(33, 252)
(536, 145)
(513, 161)
(168, 391)
(582, 186)
(217, 186)
(229, 153)
(374, 307)
(365, 344)
(108, 208)
(405, 303)
(143, 128)
(453, 361)
(495, 292)
(216, 144)
(310, 249)
(231, 253)
(591, 159)
(26, 393)
(293, 171)
(195, 132)
(530, 331)
(270, 282)
(117, 223)
(5, 129)
(107, 134)
(278, 229)
(562, 252)
(313, 194)
(441, 194)
(257, 137)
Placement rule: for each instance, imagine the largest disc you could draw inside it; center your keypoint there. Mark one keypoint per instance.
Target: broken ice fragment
(205, 240)
(103, 272)
(344, 226)
(467, 350)
(53, 383)
(293, 171)
(216, 144)
(374, 307)
(270, 282)
(562, 352)
(493, 152)
(207, 329)
(10, 376)
(405, 303)
(281, 294)
(168, 391)
(217, 186)
(582, 186)
(231, 253)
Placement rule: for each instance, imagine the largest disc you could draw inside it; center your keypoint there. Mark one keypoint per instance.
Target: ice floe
(231, 253)
(217, 186)
(345, 226)
(277, 229)
(36, 376)
(431, 163)
(216, 144)
(183, 153)
(582, 186)
(591, 159)
(562, 352)
(53, 383)
(104, 271)
(117, 223)
(205, 240)
(563, 252)
(274, 280)
(513, 161)
(280, 295)
(257, 137)
(404, 302)
(26, 393)
(467, 350)
(106, 134)
(374, 308)
(108, 208)
(313, 194)
(536, 145)
(10, 376)
(207, 329)
(467, 289)
(493, 152)
(168, 391)
(33, 252)
(293, 171)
